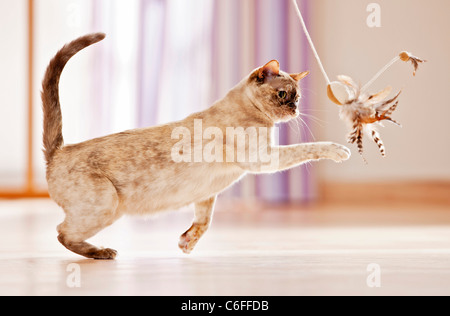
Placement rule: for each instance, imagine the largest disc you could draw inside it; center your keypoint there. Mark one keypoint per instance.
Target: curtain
(165, 59)
(247, 34)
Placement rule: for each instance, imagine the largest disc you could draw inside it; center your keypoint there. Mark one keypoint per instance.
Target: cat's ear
(271, 69)
(299, 76)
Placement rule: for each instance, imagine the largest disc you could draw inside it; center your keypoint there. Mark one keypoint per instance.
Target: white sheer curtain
(154, 66)
(175, 59)
(116, 66)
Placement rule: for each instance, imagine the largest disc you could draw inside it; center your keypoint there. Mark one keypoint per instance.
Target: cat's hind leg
(86, 249)
(202, 220)
(87, 213)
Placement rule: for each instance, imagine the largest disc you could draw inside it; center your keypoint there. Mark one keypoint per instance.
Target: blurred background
(165, 59)
(314, 230)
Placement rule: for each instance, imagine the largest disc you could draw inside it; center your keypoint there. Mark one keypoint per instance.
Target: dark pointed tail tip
(97, 37)
(100, 35)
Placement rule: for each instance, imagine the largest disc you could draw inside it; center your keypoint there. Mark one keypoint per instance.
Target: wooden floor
(249, 250)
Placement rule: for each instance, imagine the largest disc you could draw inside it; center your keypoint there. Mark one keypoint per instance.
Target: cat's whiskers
(314, 119)
(298, 119)
(297, 129)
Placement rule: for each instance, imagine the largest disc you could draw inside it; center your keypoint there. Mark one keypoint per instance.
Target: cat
(98, 181)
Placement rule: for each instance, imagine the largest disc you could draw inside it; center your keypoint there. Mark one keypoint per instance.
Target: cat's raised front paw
(190, 238)
(338, 153)
(186, 244)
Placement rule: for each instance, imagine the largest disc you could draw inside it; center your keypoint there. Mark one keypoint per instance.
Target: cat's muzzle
(293, 106)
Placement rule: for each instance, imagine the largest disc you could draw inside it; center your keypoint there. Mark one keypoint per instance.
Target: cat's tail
(52, 137)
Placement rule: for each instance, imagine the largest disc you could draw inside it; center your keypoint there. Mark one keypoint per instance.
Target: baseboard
(21, 194)
(423, 192)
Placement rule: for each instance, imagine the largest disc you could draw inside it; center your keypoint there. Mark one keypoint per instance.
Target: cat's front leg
(285, 157)
(202, 219)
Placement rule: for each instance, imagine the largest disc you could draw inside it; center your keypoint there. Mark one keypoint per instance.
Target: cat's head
(276, 92)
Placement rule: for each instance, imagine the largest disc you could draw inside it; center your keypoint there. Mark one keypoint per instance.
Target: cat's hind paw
(105, 254)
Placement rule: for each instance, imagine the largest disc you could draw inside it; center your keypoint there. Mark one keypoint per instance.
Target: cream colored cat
(134, 172)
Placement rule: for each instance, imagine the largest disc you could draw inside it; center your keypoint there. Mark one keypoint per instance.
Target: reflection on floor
(285, 250)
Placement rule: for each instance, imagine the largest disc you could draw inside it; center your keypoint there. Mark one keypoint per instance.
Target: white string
(311, 42)
(393, 61)
(316, 55)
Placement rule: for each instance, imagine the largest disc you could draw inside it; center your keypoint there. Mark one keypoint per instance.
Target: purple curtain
(246, 35)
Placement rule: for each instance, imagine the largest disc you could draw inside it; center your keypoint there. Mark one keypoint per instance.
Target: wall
(421, 149)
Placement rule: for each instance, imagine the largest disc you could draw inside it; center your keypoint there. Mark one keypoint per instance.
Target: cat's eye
(282, 94)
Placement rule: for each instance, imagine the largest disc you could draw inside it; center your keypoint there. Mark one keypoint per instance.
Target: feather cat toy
(361, 110)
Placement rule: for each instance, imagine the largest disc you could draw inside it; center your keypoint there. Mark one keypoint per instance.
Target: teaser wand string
(305, 29)
(403, 56)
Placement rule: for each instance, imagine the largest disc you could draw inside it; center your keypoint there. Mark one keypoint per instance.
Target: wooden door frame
(29, 189)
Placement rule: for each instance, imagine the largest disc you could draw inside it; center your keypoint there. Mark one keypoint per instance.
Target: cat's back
(115, 145)
(126, 150)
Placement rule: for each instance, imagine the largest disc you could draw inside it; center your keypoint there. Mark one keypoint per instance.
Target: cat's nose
(295, 104)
